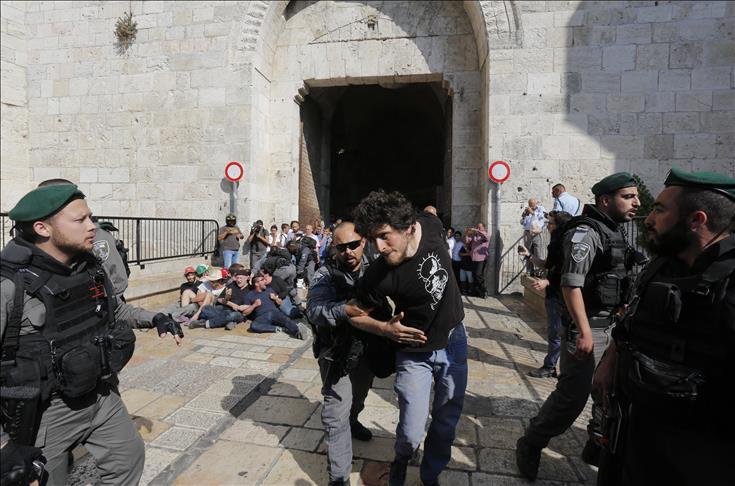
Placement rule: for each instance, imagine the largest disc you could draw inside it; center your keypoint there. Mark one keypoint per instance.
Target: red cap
(189, 270)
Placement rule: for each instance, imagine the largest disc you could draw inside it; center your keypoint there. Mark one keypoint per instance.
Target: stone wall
(14, 169)
(597, 87)
(564, 90)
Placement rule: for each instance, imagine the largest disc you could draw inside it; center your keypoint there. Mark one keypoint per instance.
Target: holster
(20, 400)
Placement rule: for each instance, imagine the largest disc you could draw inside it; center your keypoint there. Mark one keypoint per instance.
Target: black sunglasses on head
(352, 245)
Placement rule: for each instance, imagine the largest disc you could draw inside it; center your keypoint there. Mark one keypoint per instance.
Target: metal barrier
(153, 239)
(511, 266)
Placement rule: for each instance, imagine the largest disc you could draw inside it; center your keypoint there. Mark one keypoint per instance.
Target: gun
(19, 412)
(612, 439)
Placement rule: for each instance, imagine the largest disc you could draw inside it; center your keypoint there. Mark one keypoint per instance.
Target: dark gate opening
(360, 138)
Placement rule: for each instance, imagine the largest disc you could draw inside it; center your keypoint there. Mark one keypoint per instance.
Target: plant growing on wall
(647, 200)
(126, 29)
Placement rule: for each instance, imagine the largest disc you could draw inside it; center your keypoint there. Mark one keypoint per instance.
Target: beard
(672, 242)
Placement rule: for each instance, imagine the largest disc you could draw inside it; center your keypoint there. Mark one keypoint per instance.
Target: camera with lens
(256, 228)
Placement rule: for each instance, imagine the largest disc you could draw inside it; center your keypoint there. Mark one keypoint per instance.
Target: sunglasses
(352, 245)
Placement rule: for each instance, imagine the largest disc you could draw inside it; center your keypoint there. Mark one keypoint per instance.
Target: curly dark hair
(380, 208)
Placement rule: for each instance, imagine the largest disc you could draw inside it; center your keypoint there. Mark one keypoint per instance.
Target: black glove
(166, 324)
(20, 465)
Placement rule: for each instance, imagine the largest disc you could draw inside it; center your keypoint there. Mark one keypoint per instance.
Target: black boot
(528, 458)
(360, 432)
(397, 475)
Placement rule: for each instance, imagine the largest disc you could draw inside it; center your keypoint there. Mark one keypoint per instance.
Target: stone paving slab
(242, 408)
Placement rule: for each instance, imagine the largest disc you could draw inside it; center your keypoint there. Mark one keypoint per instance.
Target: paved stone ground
(240, 408)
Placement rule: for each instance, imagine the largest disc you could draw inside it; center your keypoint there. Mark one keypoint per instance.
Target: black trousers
(478, 271)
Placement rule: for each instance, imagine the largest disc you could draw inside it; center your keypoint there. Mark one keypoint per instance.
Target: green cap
(201, 269)
(612, 183)
(44, 202)
(703, 180)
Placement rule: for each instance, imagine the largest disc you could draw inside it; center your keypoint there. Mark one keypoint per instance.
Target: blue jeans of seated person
(270, 321)
(415, 372)
(230, 257)
(219, 316)
(553, 331)
(288, 308)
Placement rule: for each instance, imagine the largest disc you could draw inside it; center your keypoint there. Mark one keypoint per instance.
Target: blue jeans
(553, 331)
(288, 308)
(447, 368)
(230, 257)
(269, 321)
(219, 316)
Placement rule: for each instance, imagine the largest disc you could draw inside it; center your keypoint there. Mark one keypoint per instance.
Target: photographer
(258, 241)
(229, 237)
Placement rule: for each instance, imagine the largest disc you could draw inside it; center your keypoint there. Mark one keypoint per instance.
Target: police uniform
(346, 376)
(56, 342)
(676, 348)
(596, 259)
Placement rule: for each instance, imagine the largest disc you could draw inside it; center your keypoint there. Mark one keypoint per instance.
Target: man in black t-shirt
(188, 289)
(414, 272)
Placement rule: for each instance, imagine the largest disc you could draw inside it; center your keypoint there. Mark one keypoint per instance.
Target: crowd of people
(381, 299)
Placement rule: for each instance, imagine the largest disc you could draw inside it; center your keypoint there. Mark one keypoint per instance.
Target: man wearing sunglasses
(346, 376)
(413, 270)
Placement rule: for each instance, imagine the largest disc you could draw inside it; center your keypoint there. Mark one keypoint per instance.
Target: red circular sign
(499, 171)
(234, 171)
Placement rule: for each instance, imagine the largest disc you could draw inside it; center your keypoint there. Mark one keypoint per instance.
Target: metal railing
(153, 239)
(511, 266)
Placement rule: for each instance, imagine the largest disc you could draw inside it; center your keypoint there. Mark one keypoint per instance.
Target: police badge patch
(580, 252)
(101, 250)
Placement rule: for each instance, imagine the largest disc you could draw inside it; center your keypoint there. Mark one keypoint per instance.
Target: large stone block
(681, 122)
(578, 59)
(588, 103)
(718, 122)
(618, 58)
(711, 78)
(639, 81)
(625, 103)
(686, 54)
(700, 145)
(660, 102)
(694, 101)
(618, 146)
(719, 53)
(634, 34)
(545, 83)
(555, 147)
(601, 82)
(649, 123)
(674, 80)
(652, 56)
(659, 147)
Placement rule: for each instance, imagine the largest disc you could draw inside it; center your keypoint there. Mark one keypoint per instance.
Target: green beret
(44, 202)
(702, 180)
(612, 183)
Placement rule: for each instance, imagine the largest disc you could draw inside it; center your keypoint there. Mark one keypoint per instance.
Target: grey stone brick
(639, 81)
(701, 145)
(686, 54)
(660, 102)
(594, 35)
(694, 101)
(674, 80)
(587, 103)
(601, 82)
(649, 123)
(583, 59)
(611, 124)
(658, 13)
(723, 100)
(623, 146)
(652, 56)
(625, 103)
(719, 53)
(725, 146)
(660, 147)
(618, 58)
(718, 122)
(666, 32)
(681, 122)
(711, 78)
(571, 83)
(634, 34)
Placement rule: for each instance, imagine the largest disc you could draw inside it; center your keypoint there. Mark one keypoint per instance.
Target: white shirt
(206, 286)
(537, 215)
(450, 242)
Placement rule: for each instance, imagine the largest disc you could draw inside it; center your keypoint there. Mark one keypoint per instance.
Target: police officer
(64, 336)
(675, 347)
(593, 281)
(345, 375)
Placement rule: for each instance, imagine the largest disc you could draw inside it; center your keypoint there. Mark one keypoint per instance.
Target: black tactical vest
(683, 321)
(71, 350)
(606, 284)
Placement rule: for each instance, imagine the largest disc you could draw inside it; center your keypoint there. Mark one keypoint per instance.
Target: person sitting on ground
(282, 291)
(260, 306)
(190, 288)
(552, 284)
(212, 315)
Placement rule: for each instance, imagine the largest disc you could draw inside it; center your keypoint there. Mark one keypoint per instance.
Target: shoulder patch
(579, 233)
(101, 250)
(580, 251)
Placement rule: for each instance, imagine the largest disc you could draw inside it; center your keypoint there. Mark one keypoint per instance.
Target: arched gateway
(351, 96)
